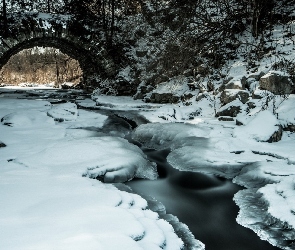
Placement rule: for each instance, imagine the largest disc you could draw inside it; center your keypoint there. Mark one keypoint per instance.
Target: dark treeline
(257, 12)
(42, 66)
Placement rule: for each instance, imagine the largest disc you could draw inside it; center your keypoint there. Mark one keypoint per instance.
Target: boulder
(237, 84)
(264, 127)
(229, 95)
(286, 113)
(2, 145)
(225, 119)
(277, 83)
(231, 109)
(141, 53)
(257, 75)
(164, 98)
(277, 135)
(202, 69)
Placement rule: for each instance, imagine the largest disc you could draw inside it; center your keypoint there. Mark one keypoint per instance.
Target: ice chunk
(25, 119)
(161, 136)
(64, 112)
(269, 212)
(111, 158)
(192, 150)
(261, 173)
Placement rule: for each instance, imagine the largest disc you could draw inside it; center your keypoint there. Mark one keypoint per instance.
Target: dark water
(203, 202)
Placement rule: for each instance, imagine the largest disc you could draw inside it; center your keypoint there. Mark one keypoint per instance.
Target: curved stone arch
(31, 31)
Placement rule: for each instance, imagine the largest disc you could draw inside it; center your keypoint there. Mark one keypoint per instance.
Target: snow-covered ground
(49, 196)
(48, 152)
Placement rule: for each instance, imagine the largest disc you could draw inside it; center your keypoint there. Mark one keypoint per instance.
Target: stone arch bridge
(27, 30)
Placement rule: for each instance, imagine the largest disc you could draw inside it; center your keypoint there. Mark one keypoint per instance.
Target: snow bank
(260, 128)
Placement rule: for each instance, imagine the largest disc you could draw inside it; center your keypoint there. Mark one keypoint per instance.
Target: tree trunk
(48, 6)
(112, 21)
(4, 12)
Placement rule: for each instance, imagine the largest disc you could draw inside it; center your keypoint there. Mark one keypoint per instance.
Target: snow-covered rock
(286, 113)
(264, 127)
(231, 109)
(229, 95)
(277, 82)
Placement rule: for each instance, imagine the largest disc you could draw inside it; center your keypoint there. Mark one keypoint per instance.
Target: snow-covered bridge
(27, 30)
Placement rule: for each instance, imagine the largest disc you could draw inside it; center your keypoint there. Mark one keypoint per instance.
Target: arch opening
(41, 66)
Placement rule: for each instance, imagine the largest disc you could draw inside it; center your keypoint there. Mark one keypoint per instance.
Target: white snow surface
(259, 128)
(45, 201)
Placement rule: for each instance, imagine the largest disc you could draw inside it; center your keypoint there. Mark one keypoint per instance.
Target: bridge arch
(56, 31)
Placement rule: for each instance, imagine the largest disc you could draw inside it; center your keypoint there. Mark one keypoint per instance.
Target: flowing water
(203, 202)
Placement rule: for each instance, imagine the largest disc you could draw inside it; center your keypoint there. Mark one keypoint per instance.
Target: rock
(188, 72)
(240, 84)
(277, 135)
(289, 127)
(164, 98)
(141, 53)
(277, 83)
(210, 86)
(202, 70)
(262, 128)
(225, 118)
(186, 97)
(257, 75)
(251, 105)
(229, 95)
(2, 145)
(231, 109)
(201, 96)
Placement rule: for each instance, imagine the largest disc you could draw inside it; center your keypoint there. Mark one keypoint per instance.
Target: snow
(260, 128)
(286, 111)
(48, 201)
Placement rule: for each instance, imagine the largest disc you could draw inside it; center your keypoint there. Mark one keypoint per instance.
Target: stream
(203, 202)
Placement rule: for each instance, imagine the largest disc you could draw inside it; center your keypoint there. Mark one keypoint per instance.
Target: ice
(192, 150)
(161, 136)
(111, 158)
(261, 173)
(256, 214)
(64, 112)
(268, 206)
(27, 119)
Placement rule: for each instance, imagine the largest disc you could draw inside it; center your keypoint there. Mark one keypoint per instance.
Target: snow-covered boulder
(264, 127)
(286, 113)
(231, 109)
(164, 98)
(229, 95)
(64, 112)
(169, 92)
(278, 83)
(236, 84)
